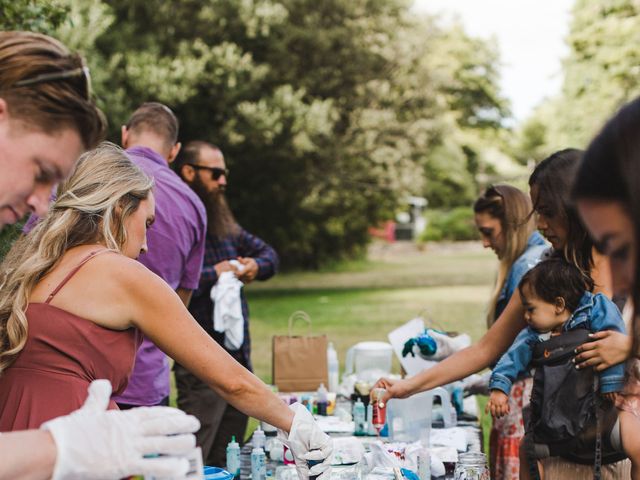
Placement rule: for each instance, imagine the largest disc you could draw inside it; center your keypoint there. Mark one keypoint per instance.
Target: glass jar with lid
(472, 466)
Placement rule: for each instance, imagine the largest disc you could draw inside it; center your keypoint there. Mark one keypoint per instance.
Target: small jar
(472, 466)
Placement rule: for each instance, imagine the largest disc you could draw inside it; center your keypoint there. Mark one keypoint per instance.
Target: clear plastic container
(409, 419)
(369, 359)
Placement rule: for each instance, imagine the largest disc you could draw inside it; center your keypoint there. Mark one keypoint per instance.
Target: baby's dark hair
(555, 278)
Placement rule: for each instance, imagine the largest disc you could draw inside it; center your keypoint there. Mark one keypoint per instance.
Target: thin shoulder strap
(73, 272)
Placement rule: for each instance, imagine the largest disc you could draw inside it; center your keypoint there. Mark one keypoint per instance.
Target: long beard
(220, 221)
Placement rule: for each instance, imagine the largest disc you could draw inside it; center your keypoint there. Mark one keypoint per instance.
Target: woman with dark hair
(550, 186)
(607, 194)
(558, 221)
(503, 218)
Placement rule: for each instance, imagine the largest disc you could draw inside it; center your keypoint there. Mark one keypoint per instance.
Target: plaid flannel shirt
(242, 244)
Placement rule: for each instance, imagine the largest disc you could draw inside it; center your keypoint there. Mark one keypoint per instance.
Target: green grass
(351, 315)
(365, 299)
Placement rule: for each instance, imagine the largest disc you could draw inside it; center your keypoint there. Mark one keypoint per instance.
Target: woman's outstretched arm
(465, 362)
(161, 315)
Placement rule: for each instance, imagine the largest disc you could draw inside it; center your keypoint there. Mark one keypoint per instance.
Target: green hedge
(454, 224)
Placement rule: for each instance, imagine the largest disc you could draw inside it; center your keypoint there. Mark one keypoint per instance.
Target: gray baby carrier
(569, 417)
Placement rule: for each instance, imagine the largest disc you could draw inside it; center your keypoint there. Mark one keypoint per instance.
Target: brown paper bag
(299, 362)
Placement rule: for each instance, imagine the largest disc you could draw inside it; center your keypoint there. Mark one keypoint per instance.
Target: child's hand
(498, 404)
(611, 396)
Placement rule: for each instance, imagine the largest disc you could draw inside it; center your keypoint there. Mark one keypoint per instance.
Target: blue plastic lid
(215, 473)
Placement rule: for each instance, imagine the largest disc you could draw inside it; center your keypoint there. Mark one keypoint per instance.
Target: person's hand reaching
(94, 443)
(308, 442)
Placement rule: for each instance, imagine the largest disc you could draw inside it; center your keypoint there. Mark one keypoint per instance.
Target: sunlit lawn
(364, 300)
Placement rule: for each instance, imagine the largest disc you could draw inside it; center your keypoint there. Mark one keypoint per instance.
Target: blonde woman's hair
(92, 206)
(512, 208)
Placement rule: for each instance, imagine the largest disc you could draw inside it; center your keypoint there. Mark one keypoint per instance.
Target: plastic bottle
(379, 417)
(258, 464)
(424, 464)
(370, 429)
(322, 400)
(233, 457)
(258, 440)
(333, 368)
(359, 418)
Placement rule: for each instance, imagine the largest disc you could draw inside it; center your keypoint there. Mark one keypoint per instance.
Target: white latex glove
(308, 442)
(94, 443)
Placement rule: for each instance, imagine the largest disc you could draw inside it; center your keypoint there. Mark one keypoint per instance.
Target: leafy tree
(600, 74)
(32, 15)
(328, 114)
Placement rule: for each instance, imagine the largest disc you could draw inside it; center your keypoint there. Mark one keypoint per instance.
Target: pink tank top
(62, 355)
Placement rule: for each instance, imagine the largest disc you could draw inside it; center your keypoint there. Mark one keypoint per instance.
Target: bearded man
(228, 248)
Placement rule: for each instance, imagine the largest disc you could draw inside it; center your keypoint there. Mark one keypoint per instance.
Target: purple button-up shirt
(176, 248)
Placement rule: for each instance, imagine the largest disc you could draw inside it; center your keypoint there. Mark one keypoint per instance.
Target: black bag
(568, 414)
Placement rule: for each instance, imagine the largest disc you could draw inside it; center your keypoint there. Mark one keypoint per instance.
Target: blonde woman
(74, 297)
(503, 218)
(47, 118)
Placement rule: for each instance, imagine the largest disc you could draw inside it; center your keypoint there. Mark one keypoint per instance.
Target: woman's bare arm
(27, 455)
(465, 362)
(160, 314)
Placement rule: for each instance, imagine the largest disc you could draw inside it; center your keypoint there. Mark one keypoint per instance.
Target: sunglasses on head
(216, 172)
(82, 72)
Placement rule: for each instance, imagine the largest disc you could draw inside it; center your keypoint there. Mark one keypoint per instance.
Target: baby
(557, 299)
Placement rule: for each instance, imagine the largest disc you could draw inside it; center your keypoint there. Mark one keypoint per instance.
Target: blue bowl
(215, 473)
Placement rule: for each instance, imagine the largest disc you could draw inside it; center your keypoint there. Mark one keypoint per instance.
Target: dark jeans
(219, 420)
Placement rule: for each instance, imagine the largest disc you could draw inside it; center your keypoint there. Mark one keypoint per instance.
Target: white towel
(227, 310)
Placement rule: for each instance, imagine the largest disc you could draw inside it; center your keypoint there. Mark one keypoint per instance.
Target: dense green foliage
(600, 74)
(329, 114)
(33, 15)
(455, 224)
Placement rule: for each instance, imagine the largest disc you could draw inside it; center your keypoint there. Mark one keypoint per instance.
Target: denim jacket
(536, 246)
(595, 313)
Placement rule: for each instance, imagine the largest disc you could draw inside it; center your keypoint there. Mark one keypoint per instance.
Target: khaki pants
(219, 420)
(558, 469)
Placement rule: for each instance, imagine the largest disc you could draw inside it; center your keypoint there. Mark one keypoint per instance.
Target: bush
(456, 224)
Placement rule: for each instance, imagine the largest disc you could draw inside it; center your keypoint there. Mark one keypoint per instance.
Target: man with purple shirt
(176, 241)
